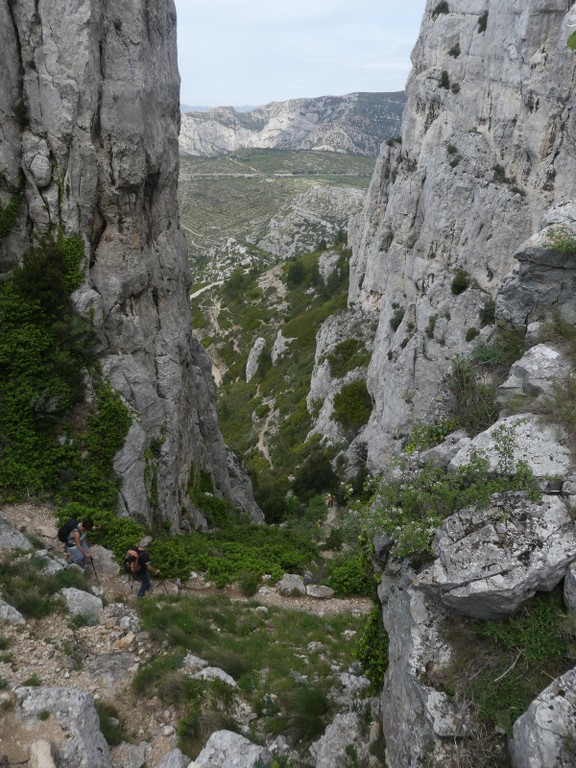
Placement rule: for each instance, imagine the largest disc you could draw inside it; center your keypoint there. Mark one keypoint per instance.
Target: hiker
(77, 545)
(330, 500)
(145, 566)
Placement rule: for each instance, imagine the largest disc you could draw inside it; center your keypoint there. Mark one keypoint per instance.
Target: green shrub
(444, 80)
(110, 726)
(9, 214)
(352, 575)
(507, 347)
(472, 401)
(563, 239)
(455, 51)
(500, 174)
(483, 22)
(397, 318)
(431, 326)
(315, 475)
(460, 282)
(295, 273)
(571, 42)
(410, 505)
(471, 334)
(501, 666)
(307, 707)
(34, 680)
(372, 650)
(352, 406)
(441, 8)
(248, 582)
(346, 356)
(423, 435)
(31, 591)
(487, 313)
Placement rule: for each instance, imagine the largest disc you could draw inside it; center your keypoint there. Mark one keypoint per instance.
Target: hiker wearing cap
(145, 566)
(77, 545)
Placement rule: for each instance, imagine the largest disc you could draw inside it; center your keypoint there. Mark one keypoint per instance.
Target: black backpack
(65, 530)
(131, 561)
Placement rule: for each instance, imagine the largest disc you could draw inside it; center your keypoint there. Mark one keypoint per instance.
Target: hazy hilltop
(356, 123)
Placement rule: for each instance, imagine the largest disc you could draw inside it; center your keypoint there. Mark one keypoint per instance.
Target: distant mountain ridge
(356, 123)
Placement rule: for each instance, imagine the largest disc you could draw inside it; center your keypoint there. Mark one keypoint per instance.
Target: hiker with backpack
(74, 535)
(137, 564)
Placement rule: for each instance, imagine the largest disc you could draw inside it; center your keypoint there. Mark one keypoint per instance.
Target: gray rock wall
(480, 162)
(90, 116)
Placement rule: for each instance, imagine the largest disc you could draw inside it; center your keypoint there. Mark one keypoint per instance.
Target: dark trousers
(144, 577)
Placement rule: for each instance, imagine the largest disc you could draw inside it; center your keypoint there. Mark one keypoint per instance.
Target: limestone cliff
(486, 166)
(355, 124)
(487, 148)
(89, 120)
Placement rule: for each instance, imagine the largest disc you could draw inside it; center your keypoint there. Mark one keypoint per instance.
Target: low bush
(503, 350)
(346, 356)
(460, 282)
(423, 435)
(110, 725)
(483, 22)
(352, 406)
(29, 590)
(372, 650)
(397, 317)
(501, 666)
(472, 401)
(440, 8)
(410, 502)
(352, 574)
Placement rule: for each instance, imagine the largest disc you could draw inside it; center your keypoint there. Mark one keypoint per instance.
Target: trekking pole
(95, 574)
(165, 587)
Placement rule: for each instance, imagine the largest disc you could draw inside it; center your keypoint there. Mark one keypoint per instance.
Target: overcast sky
(240, 52)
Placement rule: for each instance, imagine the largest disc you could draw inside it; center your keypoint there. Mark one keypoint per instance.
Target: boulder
(225, 749)
(319, 591)
(291, 584)
(131, 755)
(174, 759)
(544, 736)
(535, 373)
(489, 562)
(9, 614)
(79, 602)
(214, 673)
(10, 537)
(41, 754)
(536, 442)
(74, 712)
(332, 748)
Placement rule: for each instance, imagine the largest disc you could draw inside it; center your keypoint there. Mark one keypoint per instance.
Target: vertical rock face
(89, 115)
(487, 147)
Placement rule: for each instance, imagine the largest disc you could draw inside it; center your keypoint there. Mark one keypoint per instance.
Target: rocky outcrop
(356, 123)
(90, 123)
(544, 735)
(487, 150)
(544, 277)
(313, 215)
(490, 562)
